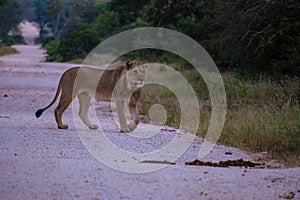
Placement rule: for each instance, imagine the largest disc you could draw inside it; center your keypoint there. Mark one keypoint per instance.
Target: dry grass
(264, 129)
(5, 50)
(76, 61)
(262, 115)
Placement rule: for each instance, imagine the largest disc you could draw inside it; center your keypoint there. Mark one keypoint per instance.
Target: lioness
(120, 84)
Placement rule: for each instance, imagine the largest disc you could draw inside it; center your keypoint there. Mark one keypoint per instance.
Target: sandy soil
(38, 161)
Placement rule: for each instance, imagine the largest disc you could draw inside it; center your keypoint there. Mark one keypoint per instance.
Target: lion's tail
(39, 112)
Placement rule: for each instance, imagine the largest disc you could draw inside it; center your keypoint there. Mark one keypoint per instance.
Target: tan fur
(121, 85)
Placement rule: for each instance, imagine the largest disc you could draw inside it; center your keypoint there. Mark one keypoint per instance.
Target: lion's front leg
(122, 117)
(135, 116)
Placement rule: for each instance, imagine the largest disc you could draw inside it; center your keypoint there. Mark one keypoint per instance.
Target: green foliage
(72, 26)
(83, 41)
(80, 15)
(3, 2)
(108, 23)
(189, 17)
(10, 18)
(115, 16)
(261, 36)
(127, 12)
(78, 45)
(61, 17)
(53, 47)
(41, 15)
(251, 37)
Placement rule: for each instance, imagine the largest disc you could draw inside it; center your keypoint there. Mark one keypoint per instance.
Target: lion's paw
(125, 130)
(63, 126)
(132, 126)
(93, 127)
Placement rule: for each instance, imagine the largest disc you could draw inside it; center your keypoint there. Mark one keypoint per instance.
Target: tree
(10, 18)
(41, 15)
(77, 45)
(261, 36)
(252, 36)
(80, 14)
(56, 10)
(3, 2)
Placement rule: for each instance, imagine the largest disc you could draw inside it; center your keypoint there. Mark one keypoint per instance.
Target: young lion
(122, 85)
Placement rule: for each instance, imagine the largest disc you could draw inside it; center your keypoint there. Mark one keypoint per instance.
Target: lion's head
(135, 74)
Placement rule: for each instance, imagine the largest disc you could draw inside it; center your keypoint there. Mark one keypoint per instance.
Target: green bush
(78, 45)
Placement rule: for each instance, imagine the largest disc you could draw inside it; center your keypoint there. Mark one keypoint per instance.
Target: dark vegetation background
(254, 36)
(255, 44)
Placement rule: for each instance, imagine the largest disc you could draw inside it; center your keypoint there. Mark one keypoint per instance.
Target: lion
(121, 85)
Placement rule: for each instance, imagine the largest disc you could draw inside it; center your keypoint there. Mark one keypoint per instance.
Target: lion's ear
(131, 64)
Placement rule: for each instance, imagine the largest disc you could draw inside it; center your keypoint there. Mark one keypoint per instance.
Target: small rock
(203, 193)
(4, 117)
(5, 95)
(289, 195)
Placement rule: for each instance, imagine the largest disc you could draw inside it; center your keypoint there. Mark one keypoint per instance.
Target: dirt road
(38, 161)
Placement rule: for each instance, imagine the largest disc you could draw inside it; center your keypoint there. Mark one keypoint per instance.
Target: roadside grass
(265, 129)
(262, 115)
(76, 61)
(6, 50)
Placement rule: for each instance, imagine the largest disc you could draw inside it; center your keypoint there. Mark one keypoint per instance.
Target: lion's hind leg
(84, 102)
(64, 102)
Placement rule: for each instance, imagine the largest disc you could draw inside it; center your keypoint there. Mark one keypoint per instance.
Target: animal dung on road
(228, 163)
